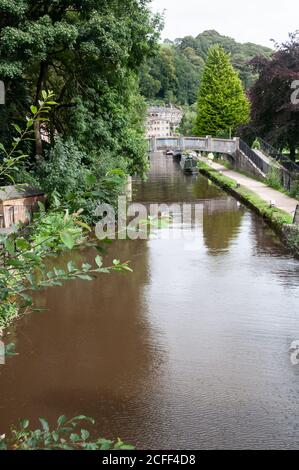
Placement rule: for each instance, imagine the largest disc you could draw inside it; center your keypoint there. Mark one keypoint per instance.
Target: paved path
(282, 201)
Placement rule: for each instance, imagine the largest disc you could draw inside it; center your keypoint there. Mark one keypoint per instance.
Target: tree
(222, 104)
(274, 116)
(177, 67)
(89, 53)
(187, 124)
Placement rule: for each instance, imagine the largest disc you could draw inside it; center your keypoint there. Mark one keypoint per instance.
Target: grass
(277, 217)
(273, 179)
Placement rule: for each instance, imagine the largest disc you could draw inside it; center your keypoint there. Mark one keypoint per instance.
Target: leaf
(41, 207)
(28, 299)
(45, 424)
(83, 418)
(84, 434)
(10, 246)
(67, 240)
(85, 277)
(83, 225)
(99, 261)
(17, 128)
(71, 266)
(22, 244)
(61, 420)
(10, 349)
(74, 437)
(33, 109)
(24, 424)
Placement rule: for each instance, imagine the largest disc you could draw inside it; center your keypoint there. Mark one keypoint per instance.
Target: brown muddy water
(191, 351)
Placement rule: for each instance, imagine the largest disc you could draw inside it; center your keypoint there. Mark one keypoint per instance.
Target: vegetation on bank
(80, 149)
(277, 217)
(66, 435)
(23, 253)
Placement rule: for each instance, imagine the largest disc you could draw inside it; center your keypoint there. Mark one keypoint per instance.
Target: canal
(190, 351)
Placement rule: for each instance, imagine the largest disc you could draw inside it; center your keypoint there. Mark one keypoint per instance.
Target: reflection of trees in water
(168, 183)
(221, 222)
(268, 243)
(205, 189)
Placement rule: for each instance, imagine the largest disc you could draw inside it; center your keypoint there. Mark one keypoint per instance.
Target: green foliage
(222, 104)
(23, 267)
(90, 56)
(274, 178)
(188, 121)
(11, 162)
(174, 74)
(292, 237)
(66, 435)
(76, 181)
(23, 261)
(256, 145)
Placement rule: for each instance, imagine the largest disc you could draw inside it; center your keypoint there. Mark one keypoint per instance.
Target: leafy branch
(15, 156)
(66, 435)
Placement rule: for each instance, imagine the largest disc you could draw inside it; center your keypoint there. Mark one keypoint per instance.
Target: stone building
(163, 121)
(17, 203)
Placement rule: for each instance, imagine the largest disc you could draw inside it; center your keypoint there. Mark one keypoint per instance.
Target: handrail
(254, 157)
(284, 160)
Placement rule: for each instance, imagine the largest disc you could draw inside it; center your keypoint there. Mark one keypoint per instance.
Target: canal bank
(275, 207)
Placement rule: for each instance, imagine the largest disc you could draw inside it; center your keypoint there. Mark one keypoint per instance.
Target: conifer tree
(222, 104)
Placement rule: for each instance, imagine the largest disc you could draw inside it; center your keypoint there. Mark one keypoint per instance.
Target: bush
(66, 435)
(76, 181)
(273, 178)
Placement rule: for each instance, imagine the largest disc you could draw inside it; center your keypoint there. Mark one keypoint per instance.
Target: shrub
(66, 435)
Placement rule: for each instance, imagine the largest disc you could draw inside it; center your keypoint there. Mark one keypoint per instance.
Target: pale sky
(246, 21)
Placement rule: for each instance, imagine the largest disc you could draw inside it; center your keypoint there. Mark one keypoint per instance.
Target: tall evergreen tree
(222, 103)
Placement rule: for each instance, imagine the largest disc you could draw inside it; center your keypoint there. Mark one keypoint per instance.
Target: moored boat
(189, 164)
(177, 154)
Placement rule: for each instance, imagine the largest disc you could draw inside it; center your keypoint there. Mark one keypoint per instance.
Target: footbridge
(201, 144)
(258, 163)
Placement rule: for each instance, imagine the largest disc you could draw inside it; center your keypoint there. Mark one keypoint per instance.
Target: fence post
(209, 143)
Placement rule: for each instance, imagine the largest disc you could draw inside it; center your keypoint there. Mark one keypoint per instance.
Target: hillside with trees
(174, 74)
